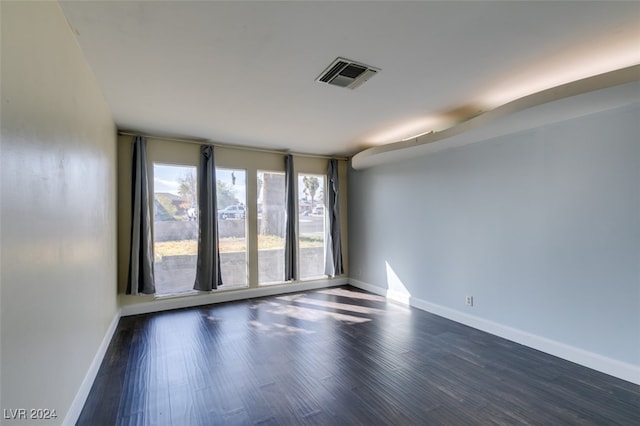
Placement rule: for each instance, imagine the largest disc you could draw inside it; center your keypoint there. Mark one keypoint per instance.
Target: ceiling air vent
(346, 73)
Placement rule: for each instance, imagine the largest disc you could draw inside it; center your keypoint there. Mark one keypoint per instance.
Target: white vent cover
(347, 73)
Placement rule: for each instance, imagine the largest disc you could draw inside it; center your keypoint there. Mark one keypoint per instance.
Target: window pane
(311, 222)
(271, 224)
(175, 228)
(231, 192)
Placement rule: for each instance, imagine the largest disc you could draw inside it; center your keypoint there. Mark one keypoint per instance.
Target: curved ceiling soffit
(559, 103)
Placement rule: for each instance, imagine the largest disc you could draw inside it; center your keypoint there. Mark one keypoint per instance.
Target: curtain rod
(241, 147)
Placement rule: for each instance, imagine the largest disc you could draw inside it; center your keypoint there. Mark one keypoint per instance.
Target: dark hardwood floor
(338, 356)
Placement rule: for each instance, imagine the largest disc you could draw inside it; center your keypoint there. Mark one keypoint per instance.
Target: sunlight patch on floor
(333, 305)
(279, 329)
(352, 294)
(309, 314)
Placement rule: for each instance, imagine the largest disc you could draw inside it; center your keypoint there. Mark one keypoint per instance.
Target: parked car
(319, 210)
(232, 212)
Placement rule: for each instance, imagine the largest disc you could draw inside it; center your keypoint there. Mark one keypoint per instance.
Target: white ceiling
(244, 72)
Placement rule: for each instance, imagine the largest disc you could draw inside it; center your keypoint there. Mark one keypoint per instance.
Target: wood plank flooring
(338, 356)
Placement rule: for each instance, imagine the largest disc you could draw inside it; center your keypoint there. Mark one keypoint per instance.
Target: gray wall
(542, 228)
(58, 210)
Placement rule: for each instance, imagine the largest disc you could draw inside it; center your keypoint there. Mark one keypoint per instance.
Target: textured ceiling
(244, 72)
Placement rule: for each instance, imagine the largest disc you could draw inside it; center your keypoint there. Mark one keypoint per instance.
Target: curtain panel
(291, 238)
(208, 273)
(140, 278)
(333, 265)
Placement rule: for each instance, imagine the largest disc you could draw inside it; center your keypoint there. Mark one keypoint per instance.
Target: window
(231, 193)
(250, 192)
(271, 224)
(311, 225)
(175, 227)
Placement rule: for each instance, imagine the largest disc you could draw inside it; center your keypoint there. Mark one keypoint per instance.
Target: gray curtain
(208, 274)
(334, 239)
(140, 278)
(290, 237)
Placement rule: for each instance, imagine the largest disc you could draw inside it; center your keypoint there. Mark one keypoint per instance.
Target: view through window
(175, 227)
(271, 224)
(231, 187)
(311, 225)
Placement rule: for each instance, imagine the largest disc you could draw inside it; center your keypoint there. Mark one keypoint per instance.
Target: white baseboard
(227, 296)
(619, 369)
(81, 396)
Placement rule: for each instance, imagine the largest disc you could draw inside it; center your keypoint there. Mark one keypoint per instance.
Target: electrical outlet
(469, 300)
